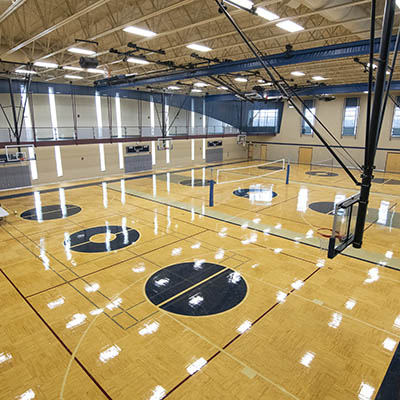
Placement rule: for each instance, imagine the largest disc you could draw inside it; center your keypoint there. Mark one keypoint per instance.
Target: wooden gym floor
(252, 308)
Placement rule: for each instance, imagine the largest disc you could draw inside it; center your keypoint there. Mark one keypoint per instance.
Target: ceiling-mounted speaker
(88, 62)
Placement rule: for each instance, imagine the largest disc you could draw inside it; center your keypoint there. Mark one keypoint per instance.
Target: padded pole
(211, 202)
(287, 173)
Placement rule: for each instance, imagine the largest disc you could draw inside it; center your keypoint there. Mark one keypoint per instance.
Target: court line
(85, 370)
(83, 185)
(145, 196)
(223, 348)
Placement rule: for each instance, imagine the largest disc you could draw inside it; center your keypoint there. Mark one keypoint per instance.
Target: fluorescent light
(198, 47)
(289, 26)
(136, 60)
(240, 79)
(197, 91)
(174, 88)
(222, 88)
(261, 81)
(200, 84)
(319, 78)
(95, 71)
(267, 84)
(25, 71)
(44, 64)
(70, 68)
(139, 31)
(241, 3)
(81, 51)
(297, 73)
(72, 77)
(263, 13)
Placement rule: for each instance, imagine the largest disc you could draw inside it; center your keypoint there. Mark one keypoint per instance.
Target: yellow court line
(192, 287)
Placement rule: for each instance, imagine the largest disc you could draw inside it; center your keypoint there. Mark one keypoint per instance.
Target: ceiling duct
(342, 14)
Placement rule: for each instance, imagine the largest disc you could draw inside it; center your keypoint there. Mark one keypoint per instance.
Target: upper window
(396, 120)
(350, 116)
(265, 118)
(309, 112)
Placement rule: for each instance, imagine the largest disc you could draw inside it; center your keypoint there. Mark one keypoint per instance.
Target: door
(392, 162)
(250, 153)
(305, 155)
(264, 152)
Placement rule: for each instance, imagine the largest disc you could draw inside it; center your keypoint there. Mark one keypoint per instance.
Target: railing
(106, 133)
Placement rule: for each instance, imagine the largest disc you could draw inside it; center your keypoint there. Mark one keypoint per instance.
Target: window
(396, 120)
(265, 118)
(350, 116)
(309, 112)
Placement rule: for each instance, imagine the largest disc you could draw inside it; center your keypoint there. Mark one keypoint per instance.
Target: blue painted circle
(80, 241)
(196, 289)
(323, 174)
(51, 212)
(245, 193)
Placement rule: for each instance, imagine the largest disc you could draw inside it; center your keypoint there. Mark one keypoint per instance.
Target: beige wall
(83, 161)
(331, 114)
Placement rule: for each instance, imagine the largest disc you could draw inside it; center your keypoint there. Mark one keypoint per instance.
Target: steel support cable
(177, 113)
(295, 94)
(389, 82)
(283, 90)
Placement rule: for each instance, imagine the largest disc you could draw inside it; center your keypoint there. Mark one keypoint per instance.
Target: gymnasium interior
(198, 199)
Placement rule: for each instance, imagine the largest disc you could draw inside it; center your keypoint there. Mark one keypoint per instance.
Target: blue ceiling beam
(342, 50)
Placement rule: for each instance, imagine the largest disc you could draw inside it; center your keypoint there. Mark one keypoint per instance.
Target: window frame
(393, 116)
(266, 117)
(357, 116)
(303, 124)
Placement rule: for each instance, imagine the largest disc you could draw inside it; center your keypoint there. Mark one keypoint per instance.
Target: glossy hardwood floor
(88, 311)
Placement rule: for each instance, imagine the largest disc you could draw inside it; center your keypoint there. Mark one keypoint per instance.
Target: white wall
(331, 114)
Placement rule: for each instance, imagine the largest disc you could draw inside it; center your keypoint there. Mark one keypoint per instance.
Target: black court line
(259, 230)
(83, 185)
(85, 370)
(390, 387)
(178, 385)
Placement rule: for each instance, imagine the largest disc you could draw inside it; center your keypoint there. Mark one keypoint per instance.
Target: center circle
(196, 289)
(106, 239)
(103, 237)
(321, 173)
(257, 194)
(47, 213)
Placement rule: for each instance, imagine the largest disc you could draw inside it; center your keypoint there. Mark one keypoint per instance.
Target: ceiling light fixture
(95, 71)
(247, 4)
(85, 52)
(139, 31)
(200, 84)
(289, 26)
(197, 91)
(72, 77)
(297, 73)
(319, 78)
(70, 68)
(222, 88)
(198, 47)
(174, 88)
(136, 60)
(241, 79)
(268, 15)
(25, 71)
(44, 64)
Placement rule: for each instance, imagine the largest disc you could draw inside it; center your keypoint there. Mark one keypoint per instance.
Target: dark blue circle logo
(263, 194)
(196, 289)
(321, 173)
(47, 213)
(102, 239)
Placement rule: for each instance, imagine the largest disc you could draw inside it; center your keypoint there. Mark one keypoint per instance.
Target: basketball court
(196, 261)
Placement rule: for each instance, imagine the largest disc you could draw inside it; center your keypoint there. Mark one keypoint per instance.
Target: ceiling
(33, 30)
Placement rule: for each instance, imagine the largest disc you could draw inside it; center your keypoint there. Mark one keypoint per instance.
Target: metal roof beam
(342, 50)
